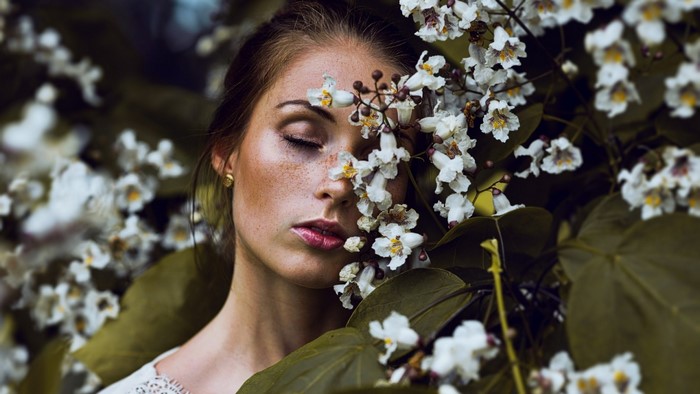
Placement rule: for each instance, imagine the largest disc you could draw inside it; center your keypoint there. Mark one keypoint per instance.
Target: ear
(224, 161)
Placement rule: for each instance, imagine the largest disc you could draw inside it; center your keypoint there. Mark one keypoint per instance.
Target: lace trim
(160, 384)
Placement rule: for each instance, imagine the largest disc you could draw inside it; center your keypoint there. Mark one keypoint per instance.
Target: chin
(319, 275)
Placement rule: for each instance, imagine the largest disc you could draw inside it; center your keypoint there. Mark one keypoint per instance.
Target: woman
(275, 150)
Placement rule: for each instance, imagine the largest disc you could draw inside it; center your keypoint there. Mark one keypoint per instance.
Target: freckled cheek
(397, 187)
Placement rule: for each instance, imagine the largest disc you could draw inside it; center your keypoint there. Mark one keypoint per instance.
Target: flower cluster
(455, 359)
(674, 180)
(46, 49)
(614, 56)
(553, 157)
(59, 214)
(683, 89)
(393, 242)
(621, 375)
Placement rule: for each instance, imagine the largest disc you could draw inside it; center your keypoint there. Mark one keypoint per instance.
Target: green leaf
(162, 309)
(636, 289)
(491, 149)
(390, 390)
(523, 230)
(679, 131)
(429, 297)
(602, 230)
(337, 360)
(44, 374)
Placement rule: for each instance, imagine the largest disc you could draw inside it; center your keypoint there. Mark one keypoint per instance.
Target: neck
(271, 317)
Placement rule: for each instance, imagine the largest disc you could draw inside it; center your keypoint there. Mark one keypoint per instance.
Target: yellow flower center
(133, 195)
(689, 98)
(613, 55)
(653, 200)
(388, 341)
(514, 91)
(619, 95)
(180, 235)
(349, 171)
(498, 121)
(566, 4)
(621, 380)
(427, 67)
(396, 246)
(652, 11)
(326, 98)
(89, 259)
(506, 53)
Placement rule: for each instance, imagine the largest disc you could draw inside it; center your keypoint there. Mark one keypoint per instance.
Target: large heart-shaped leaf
(162, 309)
(429, 297)
(337, 360)
(636, 289)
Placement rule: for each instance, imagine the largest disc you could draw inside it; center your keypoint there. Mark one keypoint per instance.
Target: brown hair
(299, 27)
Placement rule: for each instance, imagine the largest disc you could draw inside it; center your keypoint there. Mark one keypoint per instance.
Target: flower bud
(357, 85)
(422, 256)
(379, 274)
(383, 86)
(365, 111)
(401, 95)
(452, 224)
(495, 191)
(395, 78)
(506, 178)
(377, 75)
(355, 117)
(437, 139)
(364, 90)
(417, 99)
(488, 164)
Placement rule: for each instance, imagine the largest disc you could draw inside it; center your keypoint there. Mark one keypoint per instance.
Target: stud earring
(228, 180)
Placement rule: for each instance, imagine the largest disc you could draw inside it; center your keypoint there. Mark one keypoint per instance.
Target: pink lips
(321, 234)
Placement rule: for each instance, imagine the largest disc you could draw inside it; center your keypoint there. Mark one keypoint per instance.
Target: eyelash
(300, 143)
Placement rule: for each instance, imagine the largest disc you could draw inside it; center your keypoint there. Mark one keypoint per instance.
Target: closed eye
(300, 143)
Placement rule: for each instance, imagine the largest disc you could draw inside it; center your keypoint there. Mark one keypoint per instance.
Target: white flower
(515, 88)
(387, 158)
(14, 362)
(634, 185)
(361, 286)
(370, 123)
(162, 159)
(504, 50)
(462, 352)
(626, 375)
(396, 244)
(377, 194)
(580, 10)
(536, 152)
(608, 46)
(501, 203)
(450, 172)
(180, 234)
(658, 198)
(646, 16)
(683, 91)
(93, 255)
(682, 170)
(614, 99)
(467, 13)
(562, 156)
(133, 192)
(499, 120)
(22, 136)
(456, 209)
(447, 389)
(132, 245)
(349, 272)
(570, 68)
(350, 168)
(554, 377)
(426, 75)
(99, 306)
(367, 223)
(396, 333)
(354, 244)
(132, 153)
(416, 6)
(80, 272)
(443, 124)
(329, 96)
(25, 193)
(399, 214)
(51, 307)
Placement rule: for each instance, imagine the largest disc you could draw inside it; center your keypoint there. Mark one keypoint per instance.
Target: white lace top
(146, 380)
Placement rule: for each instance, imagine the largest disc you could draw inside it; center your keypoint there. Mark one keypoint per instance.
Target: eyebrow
(318, 110)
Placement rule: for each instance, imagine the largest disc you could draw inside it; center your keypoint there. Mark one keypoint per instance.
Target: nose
(339, 192)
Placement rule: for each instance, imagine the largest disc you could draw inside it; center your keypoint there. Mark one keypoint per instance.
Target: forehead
(346, 64)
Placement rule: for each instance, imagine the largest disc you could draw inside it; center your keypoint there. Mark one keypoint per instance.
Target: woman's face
(290, 216)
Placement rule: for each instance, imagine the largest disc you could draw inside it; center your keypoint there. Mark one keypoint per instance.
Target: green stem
(491, 246)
